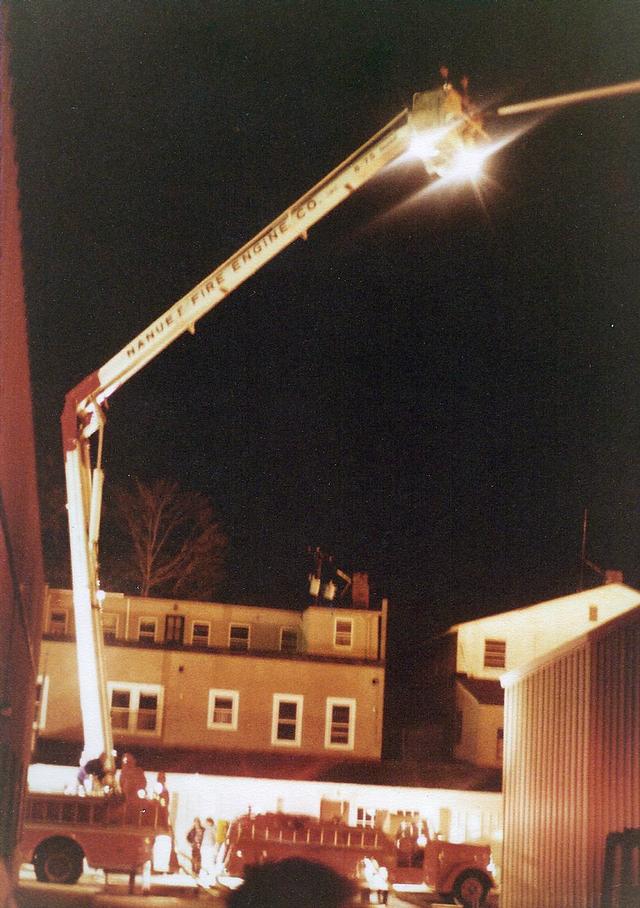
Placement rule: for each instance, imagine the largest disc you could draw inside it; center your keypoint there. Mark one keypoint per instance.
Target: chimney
(360, 590)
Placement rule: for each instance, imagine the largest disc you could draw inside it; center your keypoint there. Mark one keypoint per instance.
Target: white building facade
(481, 651)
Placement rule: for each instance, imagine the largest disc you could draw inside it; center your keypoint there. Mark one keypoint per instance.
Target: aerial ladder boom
(83, 414)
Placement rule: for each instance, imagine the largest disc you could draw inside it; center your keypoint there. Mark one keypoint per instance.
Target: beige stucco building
(215, 676)
(475, 654)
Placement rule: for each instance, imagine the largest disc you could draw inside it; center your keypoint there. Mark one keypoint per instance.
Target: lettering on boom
(368, 159)
(168, 321)
(261, 244)
(207, 287)
(301, 210)
(179, 313)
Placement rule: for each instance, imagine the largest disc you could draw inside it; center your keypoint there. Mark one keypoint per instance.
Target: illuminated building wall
(218, 676)
(459, 816)
(571, 765)
(526, 633)
(477, 653)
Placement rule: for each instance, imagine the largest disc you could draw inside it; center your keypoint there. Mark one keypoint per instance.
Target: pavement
(177, 890)
(94, 891)
(47, 895)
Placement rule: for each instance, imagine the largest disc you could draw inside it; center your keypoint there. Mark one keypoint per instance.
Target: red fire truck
(414, 860)
(61, 832)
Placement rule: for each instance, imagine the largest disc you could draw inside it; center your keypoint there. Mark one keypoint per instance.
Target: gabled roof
(632, 617)
(487, 691)
(608, 592)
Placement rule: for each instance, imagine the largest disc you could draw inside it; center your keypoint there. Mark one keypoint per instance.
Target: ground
(167, 891)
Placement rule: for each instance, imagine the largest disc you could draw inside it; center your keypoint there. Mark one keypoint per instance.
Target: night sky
(433, 388)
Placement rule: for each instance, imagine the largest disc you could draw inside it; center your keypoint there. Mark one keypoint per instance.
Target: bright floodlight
(446, 155)
(467, 164)
(425, 144)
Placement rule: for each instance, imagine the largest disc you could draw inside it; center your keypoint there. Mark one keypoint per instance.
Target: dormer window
(200, 633)
(239, 637)
(147, 630)
(343, 633)
(288, 640)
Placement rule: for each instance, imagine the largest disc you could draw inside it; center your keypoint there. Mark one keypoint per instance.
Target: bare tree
(176, 542)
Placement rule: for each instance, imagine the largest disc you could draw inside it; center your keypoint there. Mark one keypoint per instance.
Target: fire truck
(61, 832)
(415, 861)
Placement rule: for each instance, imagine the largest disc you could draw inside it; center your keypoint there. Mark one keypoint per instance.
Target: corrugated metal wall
(614, 759)
(571, 772)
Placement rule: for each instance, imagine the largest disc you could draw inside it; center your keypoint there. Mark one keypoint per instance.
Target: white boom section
(292, 224)
(83, 414)
(574, 97)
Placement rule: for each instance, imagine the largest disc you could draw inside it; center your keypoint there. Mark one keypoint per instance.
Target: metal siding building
(571, 765)
(21, 577)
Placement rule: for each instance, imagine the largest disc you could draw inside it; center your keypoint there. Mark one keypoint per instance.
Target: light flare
(467, 164)
(450, 158)
(425, 144)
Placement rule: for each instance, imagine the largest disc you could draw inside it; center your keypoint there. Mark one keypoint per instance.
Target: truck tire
(58, 860)
(470, 889)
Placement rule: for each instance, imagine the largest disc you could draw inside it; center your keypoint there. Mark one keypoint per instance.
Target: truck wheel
(470, 889)
(58, 861)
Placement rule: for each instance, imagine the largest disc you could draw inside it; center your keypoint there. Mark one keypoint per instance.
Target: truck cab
(450, 869)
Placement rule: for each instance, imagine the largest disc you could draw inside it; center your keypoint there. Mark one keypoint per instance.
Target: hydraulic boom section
(83, 413)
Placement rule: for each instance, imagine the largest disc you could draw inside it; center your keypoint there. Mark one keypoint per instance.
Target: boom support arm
(83, 412)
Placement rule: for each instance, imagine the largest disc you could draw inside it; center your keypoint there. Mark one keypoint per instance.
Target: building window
(200, 633)
(288, 640)
(239, 637)
(343, 632)
(593, 613)
(286, 727)
(58, 622)
(495, 653)
(340, 723)
(223, 709)
(499, 744)
(135, 708)
(109, 626)
(147, 630)
(174, 629)
(365, 817)
(40, 706)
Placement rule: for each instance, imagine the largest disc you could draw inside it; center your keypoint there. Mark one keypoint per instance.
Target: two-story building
(475, 654)
(218, 678)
